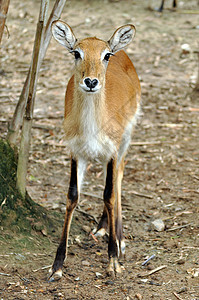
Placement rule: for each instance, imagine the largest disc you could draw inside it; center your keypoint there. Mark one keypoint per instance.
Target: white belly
(90, 142)
(92, 147)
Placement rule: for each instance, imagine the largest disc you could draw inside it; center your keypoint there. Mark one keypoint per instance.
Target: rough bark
(4, 4)
(27, 121)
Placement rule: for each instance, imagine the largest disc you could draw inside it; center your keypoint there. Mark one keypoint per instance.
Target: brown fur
(98, 125)
(122, 95)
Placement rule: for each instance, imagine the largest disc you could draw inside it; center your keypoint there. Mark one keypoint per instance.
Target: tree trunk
(4, 4)
(14, 126)
(27, 121)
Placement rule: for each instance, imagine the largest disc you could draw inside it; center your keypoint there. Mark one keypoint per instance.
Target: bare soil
(161, 179)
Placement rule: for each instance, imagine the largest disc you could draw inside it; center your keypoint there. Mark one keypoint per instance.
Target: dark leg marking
(72, 192)
(109, 181)
(103, 223)
(109, 200)
(161, 6)
(174, 3)
(71, 204)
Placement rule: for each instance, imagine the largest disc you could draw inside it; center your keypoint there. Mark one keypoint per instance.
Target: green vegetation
(18, 215)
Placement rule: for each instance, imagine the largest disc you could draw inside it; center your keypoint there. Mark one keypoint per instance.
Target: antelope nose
(91, 83)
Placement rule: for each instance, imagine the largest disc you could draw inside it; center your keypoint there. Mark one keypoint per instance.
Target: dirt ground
(161, 179)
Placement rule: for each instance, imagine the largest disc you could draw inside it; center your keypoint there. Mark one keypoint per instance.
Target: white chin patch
(85, 89)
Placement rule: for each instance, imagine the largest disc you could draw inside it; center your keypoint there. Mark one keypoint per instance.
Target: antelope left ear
(63, 34)
(122, 37)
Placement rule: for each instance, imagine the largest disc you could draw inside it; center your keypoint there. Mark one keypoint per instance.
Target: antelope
(101, 108)
(160, 9)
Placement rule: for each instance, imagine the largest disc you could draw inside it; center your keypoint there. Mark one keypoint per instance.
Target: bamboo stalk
(4, 4)
(15, 124)
(27, 121)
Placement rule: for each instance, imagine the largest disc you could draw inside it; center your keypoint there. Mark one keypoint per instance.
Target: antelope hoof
(54, 275)
(113, 267)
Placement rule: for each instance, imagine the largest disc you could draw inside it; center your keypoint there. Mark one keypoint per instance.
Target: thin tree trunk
(14, 126)
(27, 120)
(4, 4)
(196, 88)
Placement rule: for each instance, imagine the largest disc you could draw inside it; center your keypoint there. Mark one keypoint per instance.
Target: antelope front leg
(109, 200)
(118, 221)
(72, 199)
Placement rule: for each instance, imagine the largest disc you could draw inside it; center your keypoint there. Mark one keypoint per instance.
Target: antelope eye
(107, 56)
(77, 54)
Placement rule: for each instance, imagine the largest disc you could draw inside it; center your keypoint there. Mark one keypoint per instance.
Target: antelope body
(101, 108)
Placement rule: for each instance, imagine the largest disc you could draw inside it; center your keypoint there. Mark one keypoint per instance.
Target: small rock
(98, 274)
(85, 263)
(77, 240)
(38, 226)
(138, 296)
(109, 282)
(158, 225)
(55, 205)
(144, 280)
(44, 232)
(87, 229)
(63, 209)
(87, 20)
(77, 279)
(186, 49)
(182, 290)
(20, 256)
(181, 261)
(194, 272)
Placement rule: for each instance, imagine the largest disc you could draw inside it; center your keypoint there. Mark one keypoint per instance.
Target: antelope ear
(122, 37)
(63, 34)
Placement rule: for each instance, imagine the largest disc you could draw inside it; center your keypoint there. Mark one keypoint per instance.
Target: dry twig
(178, 297)
(94, 237)
(42, 268)
(189, 12)
(141, 195)
(146, 143)
(148, 259)
(179, 227)
(92, 195)
(4, 274)
(86, 214)
(154, 271)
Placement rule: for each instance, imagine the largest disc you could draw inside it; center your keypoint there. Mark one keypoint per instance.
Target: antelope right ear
(121, 37)
(63, 34)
